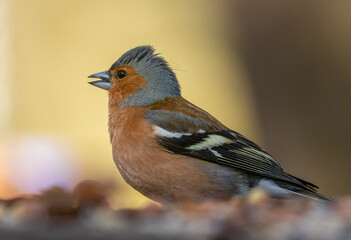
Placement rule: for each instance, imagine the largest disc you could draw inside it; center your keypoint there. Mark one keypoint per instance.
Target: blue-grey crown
(161, 80)
(141, 54)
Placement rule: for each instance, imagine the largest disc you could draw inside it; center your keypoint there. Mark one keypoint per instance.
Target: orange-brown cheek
(122, 90)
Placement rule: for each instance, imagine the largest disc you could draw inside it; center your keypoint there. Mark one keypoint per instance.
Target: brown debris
(85, 213)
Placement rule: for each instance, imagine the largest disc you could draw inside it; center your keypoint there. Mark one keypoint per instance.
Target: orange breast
(148, 168)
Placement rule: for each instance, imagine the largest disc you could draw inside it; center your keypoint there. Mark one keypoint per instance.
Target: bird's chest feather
(131, 141)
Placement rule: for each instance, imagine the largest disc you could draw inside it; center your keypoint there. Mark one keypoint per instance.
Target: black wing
(207, 139)
(231, 149)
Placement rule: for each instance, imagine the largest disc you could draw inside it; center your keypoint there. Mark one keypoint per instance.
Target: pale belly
(167, 177)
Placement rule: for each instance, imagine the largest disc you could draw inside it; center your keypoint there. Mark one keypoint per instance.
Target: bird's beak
(104, 83)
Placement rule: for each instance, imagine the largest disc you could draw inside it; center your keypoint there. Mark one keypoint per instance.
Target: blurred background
(276, 71)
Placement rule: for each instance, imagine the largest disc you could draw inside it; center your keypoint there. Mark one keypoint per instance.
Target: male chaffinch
(170, 150)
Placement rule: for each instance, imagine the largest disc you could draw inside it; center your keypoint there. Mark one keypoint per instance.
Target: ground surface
(85, 213)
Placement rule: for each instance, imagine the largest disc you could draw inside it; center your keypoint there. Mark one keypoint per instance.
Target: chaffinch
(170, 150)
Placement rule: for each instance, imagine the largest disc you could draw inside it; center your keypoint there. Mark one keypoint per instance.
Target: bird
(170, 150)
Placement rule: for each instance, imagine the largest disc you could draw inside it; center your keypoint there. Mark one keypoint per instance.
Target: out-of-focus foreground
(276, 71)
(85, 213)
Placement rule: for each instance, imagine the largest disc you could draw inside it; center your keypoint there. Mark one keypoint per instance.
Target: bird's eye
(121, 74)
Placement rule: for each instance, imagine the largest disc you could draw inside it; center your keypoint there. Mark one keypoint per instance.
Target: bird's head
(138, 78)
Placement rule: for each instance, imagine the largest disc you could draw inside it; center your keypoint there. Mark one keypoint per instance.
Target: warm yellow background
(48, 48)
